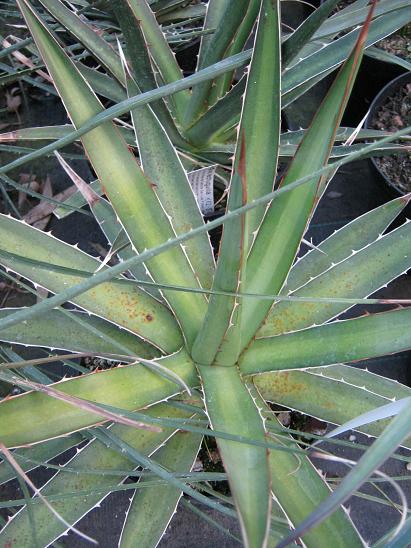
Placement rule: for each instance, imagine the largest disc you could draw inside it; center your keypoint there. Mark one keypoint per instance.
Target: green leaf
(231, 408)
(357, 234)
(91, 457)
(34, 416)
(253, 176)
(381, 55)
(359, 275)
(129, 191)
(398, 429)
(335, 394)
(160, 52)
(285, 222)
(338, 342)
(152, 509)
(172, 186)
(213, 51)
(299, 488)
(58, 330)
(298, 39)
(95, 44)
(41, 453)
(119, 301)
(137, 52)
(310, 69)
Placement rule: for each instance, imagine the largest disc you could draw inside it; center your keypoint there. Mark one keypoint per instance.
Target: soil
(398, 44)
(393, 115)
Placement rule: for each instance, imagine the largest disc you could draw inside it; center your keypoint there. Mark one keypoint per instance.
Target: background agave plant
(204, 347)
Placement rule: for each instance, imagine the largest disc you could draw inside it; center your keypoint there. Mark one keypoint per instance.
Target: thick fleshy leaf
(298, 488)
(392, 436)
(93, 456)
(59, 330)
(312, 68)
(131, 194)
(34, 417)
(357, 234)
(231, 408)
(152, 509)
(172, 186)
(361, 274)
(90, 39)
(285, 222)
(337, 342)
(161, 53)
(39, 454)
(213, 51)
(120, 301)
(335, 394)
(253, 176)
(137, 52)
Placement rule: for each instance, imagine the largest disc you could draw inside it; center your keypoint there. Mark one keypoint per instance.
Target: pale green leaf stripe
(338, 399)
(338, 342)
(57, 330)
(108, 274)
(129, 191)
(160, 51)
(361, 274)
(299, 489)
(115, 387)
(172, 186)
(95, 44)
(355, 235)
(398, 429)
(94, 455)
(231, 408)
(119, 301)
(215, 14)
(253, 175)
(152, 509)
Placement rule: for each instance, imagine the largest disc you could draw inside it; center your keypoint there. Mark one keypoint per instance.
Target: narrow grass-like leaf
(152, 509)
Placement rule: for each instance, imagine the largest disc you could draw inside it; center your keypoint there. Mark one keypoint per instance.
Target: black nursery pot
(392, 190)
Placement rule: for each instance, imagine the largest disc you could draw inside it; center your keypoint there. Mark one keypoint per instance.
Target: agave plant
(201, 347)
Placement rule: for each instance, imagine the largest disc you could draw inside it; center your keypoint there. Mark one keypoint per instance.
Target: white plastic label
(202, 183)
